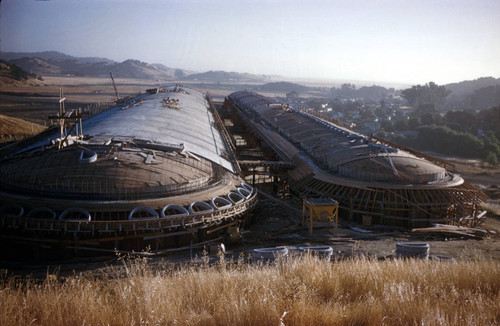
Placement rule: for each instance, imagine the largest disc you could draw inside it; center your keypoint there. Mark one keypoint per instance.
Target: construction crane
(114, 85)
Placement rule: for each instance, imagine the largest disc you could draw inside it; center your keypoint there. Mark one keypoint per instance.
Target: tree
(178, 73)
(348, 87)
(442, 139)
(401, 125)
(485, 97)
(430, 93)
(413, 123)
(492, 159)
(462, 120)
(314, 104)
(490, 119)
(387, 125)
(348, 90)
(367, 114)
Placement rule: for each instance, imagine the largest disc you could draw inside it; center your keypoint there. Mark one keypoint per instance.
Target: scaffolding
(367, 176)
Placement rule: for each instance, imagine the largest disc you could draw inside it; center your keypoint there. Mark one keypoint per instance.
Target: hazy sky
(412, 41)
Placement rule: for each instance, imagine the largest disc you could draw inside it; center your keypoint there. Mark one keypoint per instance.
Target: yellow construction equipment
(320, 209)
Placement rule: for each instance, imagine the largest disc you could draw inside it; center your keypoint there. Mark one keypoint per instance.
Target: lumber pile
(456, 230)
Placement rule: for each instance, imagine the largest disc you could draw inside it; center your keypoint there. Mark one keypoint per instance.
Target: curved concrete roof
(154, 146)
(342, 151)
(146, 118)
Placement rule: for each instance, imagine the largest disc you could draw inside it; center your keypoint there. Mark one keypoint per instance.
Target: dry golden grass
(15, 129)
(493, 206)
(299, 292)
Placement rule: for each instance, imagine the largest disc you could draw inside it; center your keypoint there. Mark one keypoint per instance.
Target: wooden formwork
(409, 197)
(159, 234)
(398, 206)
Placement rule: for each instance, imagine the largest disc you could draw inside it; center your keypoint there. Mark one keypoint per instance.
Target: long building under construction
(369, 177)
(155, 171)
(162, 171)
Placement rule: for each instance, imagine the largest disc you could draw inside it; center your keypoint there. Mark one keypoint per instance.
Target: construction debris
(171, 103)
(453, 230)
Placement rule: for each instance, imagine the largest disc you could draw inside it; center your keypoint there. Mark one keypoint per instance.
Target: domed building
(155, 171)
(370, 178)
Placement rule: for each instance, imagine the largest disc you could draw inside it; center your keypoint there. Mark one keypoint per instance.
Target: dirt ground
(36, 102)
(276, 225)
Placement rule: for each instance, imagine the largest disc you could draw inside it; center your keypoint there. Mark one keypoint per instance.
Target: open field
(301, 291)
(36, 101)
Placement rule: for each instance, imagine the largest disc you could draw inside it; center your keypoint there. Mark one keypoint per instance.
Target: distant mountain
(224, 76)
(37, 66)
(56, 63)
(14, 128)
(467, 87)
(11, 74)
(478, 94)
(142, 70)
(50, 55)
(283, 87)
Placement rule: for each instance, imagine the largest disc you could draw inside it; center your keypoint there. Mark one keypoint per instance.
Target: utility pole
(114, 85)
(62, 112)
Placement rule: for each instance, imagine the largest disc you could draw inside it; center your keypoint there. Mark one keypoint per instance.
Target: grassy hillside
(16, 129)
(13, 75)
(299, 292)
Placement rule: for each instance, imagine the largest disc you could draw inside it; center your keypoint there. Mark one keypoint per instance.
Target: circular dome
(114, 173)
(395, 169)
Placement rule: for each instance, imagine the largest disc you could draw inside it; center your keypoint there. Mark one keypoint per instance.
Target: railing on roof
(434, 160)
(224, 133)
(276, 148)
(98, 189)
(344, 124)
(129, 228)
(324, 117)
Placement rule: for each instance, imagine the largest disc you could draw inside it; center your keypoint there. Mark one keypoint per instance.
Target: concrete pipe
(269, 254)
(42, 212)
(12, 209)
(245, 193)
(87, 157)
(200, 207)
(247, 187)
(75, 214)
(219, 203)
(235, 198)
(412, 250)
(148, 211)
(322, 252)
(173, 210)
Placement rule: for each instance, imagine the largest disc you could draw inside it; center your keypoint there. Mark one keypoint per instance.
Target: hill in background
(52, 63)
(283, 87)
(13, 75)
(223, 76)
(467, 86)
(15, 129)
(51, 55)
(481, 93)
